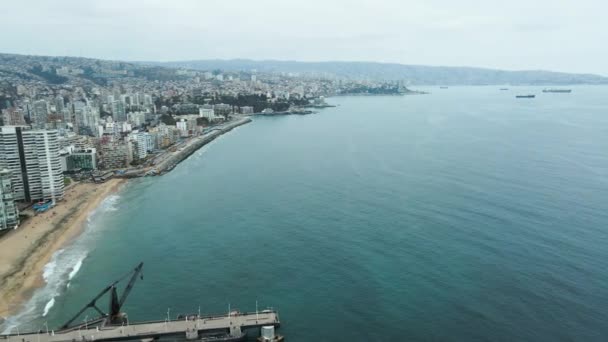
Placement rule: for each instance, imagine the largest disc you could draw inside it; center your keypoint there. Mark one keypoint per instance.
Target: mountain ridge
(358, 70)
(414, 74)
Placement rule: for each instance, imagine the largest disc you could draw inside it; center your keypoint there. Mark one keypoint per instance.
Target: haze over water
(461, 215)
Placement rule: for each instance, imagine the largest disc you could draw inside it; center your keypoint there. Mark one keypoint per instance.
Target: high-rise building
(116, 154)
(41, 113)
(80, 160)
(142, 145)
(86, 120)
(9, 214)
(182, 125)
(118, 111)
(206, 111)
(33, 158)
(12, 117)
(136, 118)
(147, 100)
(59, 104)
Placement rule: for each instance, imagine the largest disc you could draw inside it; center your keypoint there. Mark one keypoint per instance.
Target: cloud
(516, 34)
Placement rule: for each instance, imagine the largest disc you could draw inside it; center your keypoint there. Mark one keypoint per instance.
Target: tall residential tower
(9, 214)
(33, 158)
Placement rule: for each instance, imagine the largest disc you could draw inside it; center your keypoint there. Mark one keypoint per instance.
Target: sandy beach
(25, 251)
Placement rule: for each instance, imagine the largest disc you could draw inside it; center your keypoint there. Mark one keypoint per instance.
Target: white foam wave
(75, 269)
(108, 204)
(60, 272)
(51, 266)
(48, 306)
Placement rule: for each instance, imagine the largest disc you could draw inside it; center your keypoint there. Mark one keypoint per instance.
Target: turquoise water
(460, 215)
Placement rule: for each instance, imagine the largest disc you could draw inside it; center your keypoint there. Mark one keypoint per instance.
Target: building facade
(80, 160)
(40, 114)
(246, 110)
(116, 154)
(119, 113)
(206, 112)
(9, 214)
(33, 158)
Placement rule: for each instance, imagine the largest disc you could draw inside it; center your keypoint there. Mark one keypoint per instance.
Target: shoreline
(195, 144)
(24, 252)
(171, 159)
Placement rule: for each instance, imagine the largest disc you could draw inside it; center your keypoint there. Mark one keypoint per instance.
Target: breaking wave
(59, 273)
(48, 307)
(75, 269)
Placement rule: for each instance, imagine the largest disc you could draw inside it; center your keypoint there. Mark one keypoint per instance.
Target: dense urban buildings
(64, 118)
(9, 214)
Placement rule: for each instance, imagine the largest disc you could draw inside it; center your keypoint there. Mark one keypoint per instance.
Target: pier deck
(189, 328)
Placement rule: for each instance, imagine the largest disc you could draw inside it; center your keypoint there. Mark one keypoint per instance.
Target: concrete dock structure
(189, 328)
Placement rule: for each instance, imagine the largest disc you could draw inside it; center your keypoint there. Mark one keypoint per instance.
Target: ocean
(461, 215)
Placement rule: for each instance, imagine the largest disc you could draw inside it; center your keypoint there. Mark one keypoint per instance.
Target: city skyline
(513, 36)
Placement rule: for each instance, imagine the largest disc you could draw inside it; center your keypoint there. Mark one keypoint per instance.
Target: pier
(189, 328)
(115, 325)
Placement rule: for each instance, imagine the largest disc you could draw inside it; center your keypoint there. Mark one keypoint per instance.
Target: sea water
(464, 214)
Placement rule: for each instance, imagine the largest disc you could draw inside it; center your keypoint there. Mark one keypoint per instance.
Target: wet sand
(25, 251)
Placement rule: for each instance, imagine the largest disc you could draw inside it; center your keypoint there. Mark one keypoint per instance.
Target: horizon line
(305, 61)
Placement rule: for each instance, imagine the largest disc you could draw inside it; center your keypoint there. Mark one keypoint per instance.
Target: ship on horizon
(529, 96)
(551, 90)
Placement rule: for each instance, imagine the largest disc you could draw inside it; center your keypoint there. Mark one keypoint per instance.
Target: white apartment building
(206, 112)
(9, 214)
(33, 158)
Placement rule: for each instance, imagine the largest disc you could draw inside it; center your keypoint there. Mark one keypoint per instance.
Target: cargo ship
(557, 90)
(530, 96)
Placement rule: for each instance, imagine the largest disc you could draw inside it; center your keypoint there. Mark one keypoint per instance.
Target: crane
(114, 315)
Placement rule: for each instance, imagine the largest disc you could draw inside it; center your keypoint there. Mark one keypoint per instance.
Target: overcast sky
(559, 35)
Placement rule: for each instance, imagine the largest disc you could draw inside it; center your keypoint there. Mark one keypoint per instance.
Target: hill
(414, 74)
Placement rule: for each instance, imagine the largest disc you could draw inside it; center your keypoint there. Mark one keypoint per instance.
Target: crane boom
(115, 304)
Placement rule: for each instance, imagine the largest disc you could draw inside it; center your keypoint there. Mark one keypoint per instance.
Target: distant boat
(504, 88)
(443, 87)
(530, 96)
(557, 90)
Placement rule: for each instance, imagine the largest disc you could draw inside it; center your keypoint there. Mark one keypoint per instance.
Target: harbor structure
(33, 158)
(114, 325)
(9, 213)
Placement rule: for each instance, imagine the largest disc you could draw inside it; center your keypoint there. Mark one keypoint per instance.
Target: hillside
(414, 74)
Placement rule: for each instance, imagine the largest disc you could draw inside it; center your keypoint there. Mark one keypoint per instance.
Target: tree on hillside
(167, 119)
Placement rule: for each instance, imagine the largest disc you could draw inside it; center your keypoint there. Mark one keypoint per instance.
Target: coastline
(170, 159)
(195, 144)
(24, 252)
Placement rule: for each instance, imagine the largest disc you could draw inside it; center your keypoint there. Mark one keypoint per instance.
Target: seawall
(194, 144)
